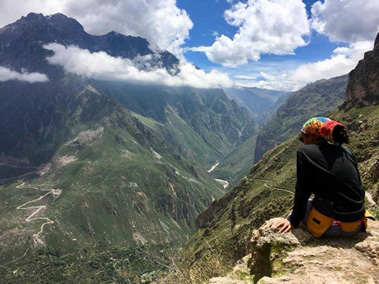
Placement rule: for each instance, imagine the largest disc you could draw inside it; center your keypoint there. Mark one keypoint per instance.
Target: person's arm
(302, 190)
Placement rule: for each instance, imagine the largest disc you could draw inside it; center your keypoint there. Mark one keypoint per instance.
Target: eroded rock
(299, 258)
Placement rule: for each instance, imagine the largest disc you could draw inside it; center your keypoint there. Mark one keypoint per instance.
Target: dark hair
(340, 135)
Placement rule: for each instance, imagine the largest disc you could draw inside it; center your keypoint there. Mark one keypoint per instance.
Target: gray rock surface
(298, 258)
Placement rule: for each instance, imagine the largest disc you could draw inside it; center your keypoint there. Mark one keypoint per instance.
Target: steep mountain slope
(205, 124)
(315, 99)
(234, 166)
(105, 177)
(76, 167)
(226, 227)
(216, 124)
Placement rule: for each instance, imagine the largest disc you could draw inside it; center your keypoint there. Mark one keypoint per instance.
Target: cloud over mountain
(265, 26)
(100, 65)
(7, 74)
(341, 62)
(161, 22)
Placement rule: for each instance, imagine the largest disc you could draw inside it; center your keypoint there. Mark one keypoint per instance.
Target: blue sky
(208, 18)
(314, 58)
(273, 44)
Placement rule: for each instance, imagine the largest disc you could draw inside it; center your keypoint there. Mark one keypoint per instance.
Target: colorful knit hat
(313, 126)
(321, 126)
(328, 128)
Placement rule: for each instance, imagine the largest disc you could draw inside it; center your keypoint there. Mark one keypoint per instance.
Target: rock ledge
(299, 258)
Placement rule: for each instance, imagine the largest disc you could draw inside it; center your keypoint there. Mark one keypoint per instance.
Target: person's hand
(283, 226)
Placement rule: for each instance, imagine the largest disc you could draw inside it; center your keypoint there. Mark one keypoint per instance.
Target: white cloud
(346, 20)
(161, 22)
(7, 74)
(265, 26)
(245, 77)
(342, 61)
(100, 65)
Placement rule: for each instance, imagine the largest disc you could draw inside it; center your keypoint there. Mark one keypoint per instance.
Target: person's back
(330, 172)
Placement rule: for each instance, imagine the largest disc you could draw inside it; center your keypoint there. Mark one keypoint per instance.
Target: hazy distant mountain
(261, 102)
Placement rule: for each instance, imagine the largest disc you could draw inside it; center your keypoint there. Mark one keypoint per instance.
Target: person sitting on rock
(329, 171)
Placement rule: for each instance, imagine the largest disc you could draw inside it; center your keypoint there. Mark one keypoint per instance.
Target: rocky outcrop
(363, 87)
(297, 258)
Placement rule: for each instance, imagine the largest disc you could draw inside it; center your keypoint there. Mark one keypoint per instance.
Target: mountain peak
(62, 21)
(34, 16)
(23, 40)
(33, 20)
(59, 20)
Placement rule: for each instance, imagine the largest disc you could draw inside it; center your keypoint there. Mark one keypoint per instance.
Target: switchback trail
(55, 193)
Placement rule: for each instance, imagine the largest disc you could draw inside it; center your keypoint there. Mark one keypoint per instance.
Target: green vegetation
(266, 192)
(204, 125)
(234, 166)
(100, 263)
(110, 180)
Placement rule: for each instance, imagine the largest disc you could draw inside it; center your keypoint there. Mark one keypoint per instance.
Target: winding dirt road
(55, 193)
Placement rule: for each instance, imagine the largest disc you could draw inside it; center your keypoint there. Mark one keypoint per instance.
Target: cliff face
(363, 87)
